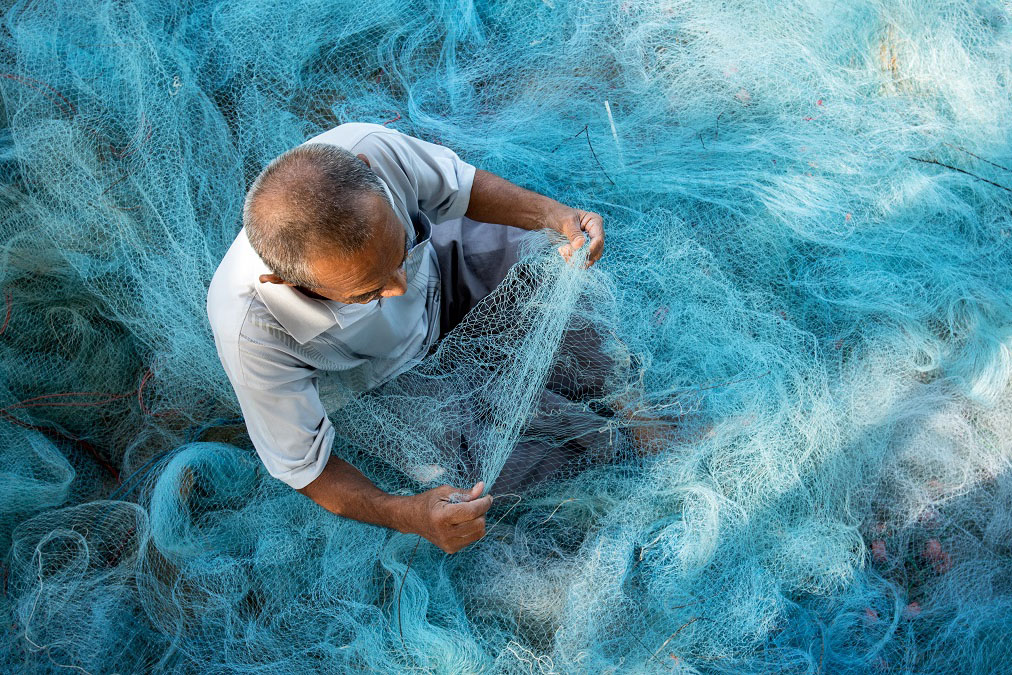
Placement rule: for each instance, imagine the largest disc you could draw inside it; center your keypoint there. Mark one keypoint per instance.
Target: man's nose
(398, 284)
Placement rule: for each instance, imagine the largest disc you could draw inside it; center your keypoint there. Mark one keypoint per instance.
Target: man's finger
(461, 513)
(472, 529)
(596, 249)
(595, 229)
(461, 542)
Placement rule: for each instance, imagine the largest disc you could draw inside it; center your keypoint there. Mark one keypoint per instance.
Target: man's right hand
(451, 518)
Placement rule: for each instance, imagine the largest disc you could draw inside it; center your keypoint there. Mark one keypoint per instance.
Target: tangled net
(808, 208)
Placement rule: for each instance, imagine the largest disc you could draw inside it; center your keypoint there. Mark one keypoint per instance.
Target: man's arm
(443, 184)
(293, 437)
(496, 200)
(434, 514)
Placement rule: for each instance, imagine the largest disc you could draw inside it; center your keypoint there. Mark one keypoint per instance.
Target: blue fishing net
(802, 441)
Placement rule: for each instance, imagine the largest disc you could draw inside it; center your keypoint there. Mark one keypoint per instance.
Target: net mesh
(782, 398)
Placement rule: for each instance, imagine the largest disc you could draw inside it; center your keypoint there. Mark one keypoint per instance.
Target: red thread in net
(126, 150)
(8, 301)
(41, 88)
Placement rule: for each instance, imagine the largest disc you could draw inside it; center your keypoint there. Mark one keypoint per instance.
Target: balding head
(313, 200)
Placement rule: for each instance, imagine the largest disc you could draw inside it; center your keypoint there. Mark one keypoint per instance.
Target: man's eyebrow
(359, 298)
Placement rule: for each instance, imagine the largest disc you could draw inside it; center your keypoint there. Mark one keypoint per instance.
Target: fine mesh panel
(768, 432)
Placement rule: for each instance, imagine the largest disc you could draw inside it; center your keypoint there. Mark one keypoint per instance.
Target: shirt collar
(305, 318)
(302, 316)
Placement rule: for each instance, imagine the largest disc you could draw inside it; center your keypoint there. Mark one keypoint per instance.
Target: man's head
(319, 218)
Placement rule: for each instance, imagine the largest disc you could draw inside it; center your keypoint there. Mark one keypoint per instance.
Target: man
(338, 268)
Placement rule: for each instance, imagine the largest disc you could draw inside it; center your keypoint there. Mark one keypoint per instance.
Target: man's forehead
(367, 269)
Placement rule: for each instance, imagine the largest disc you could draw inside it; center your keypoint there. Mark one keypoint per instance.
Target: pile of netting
(802, 458)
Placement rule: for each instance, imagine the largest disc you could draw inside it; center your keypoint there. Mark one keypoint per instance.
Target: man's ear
(364, 159)
(274, 279)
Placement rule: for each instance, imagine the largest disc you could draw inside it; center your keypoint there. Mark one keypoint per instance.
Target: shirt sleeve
(289, 429)
(433, 174)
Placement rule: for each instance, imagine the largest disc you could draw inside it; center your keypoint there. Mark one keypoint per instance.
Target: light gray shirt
(276, 343)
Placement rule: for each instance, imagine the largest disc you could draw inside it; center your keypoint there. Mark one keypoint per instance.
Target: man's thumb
(478, 488)
(575, 235)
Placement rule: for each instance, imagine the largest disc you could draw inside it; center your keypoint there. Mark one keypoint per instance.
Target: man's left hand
(576, 225)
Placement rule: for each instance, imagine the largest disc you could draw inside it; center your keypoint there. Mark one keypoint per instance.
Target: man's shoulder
(231, 294)
(253, 345)
(233, 279)
(351, 134)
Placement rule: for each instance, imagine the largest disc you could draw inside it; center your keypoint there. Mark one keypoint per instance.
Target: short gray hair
(304, 201)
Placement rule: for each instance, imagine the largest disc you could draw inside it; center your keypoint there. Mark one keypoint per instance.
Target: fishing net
(794, 452)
